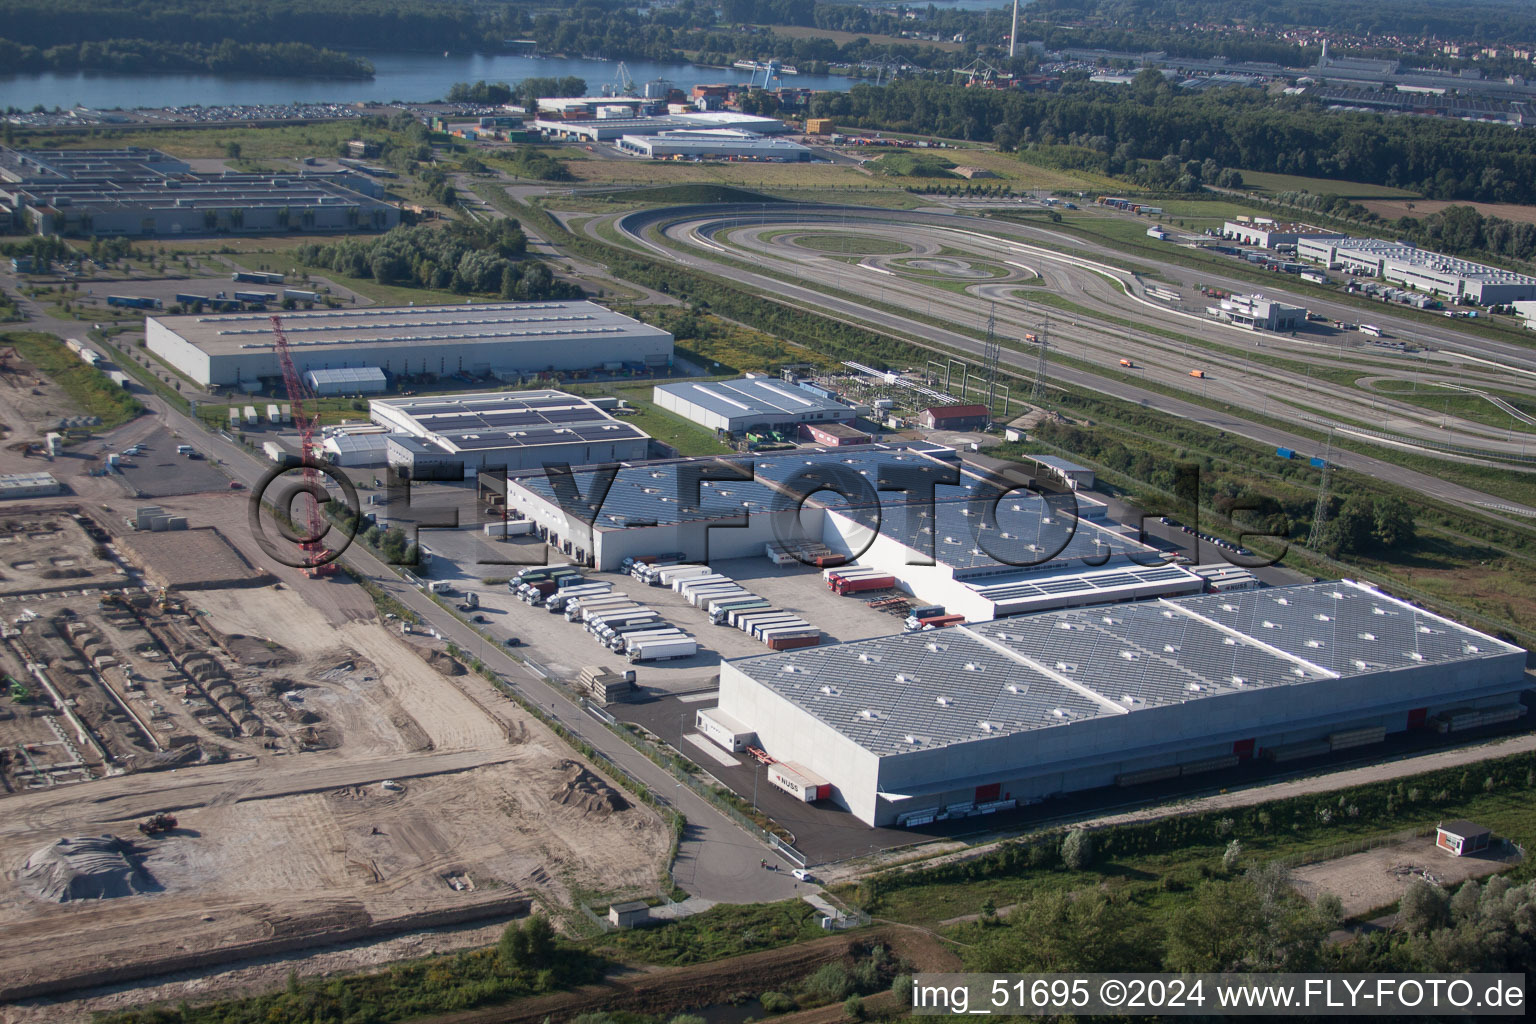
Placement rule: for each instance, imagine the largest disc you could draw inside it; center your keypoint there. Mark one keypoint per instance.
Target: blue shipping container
(1285, 453)
(1317, 462)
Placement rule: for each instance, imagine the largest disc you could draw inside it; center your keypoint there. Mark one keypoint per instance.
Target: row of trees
(462, 257)
(526, 92)
(1257, 922)
(364, 24)
(226, 57)
(1119, 129)
(1485, 20)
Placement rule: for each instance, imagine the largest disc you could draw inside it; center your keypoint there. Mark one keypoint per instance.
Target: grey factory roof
(1078, 582)
(350, 443)
(1058, 463)
(966, 530)
(346, 375)
(757, 397)
(1429, 260)
(245, 191)
(55, 166)
(509, 419)
(940, 687)
(653, 493)
(490, 323)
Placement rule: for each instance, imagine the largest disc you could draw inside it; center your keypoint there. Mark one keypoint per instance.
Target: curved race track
(934, 277)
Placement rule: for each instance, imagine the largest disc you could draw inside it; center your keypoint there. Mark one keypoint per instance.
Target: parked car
(513, 641)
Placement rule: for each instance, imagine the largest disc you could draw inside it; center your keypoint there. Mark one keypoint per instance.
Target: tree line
(225, 57)
(470, 259)
(362, 24)
(1116, 130)
(1512, 21)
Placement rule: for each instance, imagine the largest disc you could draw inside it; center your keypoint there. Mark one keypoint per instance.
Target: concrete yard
(566, 647)
(161, 473)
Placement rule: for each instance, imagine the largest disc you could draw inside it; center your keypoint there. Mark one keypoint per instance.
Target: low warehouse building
(752, 403)
(954, 417)
(1269, 234)
(714, 144)
(350, 380)
(1432, 272)
(511, 430)
(507, 339)
(28, 485)
(979, 547)
(1258, 313)
(971, 719)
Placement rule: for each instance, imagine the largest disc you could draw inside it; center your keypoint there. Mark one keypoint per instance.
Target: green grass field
(1264, 182)
(195, 142)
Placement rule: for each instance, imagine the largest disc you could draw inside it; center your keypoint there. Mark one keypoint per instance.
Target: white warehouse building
(502, 338)
(736, 406)
(1257, 313)
(980, 549)
(977, 718)
(458, 435)
(1446, 276)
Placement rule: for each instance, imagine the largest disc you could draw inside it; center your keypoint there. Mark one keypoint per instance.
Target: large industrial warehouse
(1432, 272)
(736, 406)
(975, 547)
(976, 718)
(508, 339)
(514, 430)
(144, 193)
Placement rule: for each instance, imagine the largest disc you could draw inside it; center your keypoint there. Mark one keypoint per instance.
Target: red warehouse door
(1418, 718)
(1243, 749)
(987, 794)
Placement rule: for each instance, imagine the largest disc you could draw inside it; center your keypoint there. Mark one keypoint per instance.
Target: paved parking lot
(468, 558)
(161, 473)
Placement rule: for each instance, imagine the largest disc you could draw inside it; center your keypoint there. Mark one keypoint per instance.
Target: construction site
(180, 789)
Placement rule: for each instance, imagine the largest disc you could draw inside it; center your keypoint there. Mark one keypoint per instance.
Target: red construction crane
(309, 456)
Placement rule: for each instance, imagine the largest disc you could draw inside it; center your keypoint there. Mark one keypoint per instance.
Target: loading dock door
(1418, 718)
(987, 794)
(1243, 749)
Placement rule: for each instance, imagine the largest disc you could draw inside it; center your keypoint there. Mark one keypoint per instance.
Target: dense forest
(226, 57)
(470, 259)
(1494, 21)
(357, 24)
(1118, 130)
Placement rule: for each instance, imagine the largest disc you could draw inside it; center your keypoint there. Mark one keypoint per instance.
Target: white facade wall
(177, 351)
(497, 355)
(1092, 752)
(791, 735)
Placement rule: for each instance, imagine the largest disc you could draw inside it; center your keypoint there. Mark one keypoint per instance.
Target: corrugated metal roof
(939, 687)
(756, 397)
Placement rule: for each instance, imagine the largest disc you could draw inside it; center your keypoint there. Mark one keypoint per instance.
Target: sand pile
(445, 663)
(85, 868)
(581, 788)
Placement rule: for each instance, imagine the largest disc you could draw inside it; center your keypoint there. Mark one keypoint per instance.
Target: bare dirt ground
(1395, 208)
(424, 794)
(1376, 878)
(30, 404)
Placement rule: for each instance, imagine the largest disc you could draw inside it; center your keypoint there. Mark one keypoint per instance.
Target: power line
(1320, 513)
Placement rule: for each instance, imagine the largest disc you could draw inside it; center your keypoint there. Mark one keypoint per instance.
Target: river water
(410, 77)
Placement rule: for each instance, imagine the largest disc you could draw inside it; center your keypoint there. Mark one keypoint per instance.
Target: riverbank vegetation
(226, 57)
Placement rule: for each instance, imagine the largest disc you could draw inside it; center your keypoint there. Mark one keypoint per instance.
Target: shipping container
(132, 302)
(1285, 453)
(737, 616)
(724, 730)
(257, 298)
(799, 781)
(790, 643)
